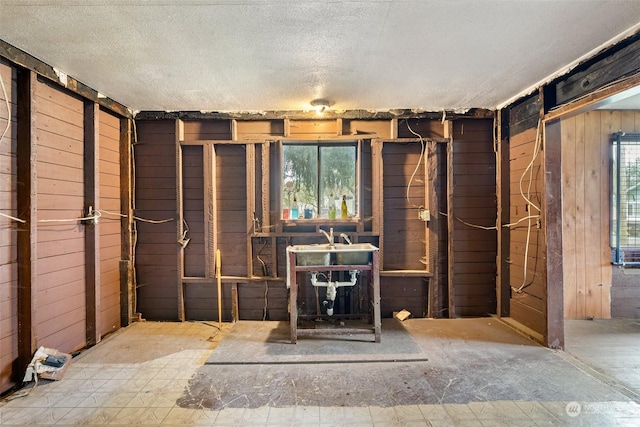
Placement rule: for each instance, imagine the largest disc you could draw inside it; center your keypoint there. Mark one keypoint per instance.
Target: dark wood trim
(250, 173)
(433, 254)
(554, 337)
(448, 133)
(615, 92)
(503, 290)
(91, 230)
(26, 155)
(179, 136)
(474, 113)
(622, 59)
(127, 282)
(23, 59)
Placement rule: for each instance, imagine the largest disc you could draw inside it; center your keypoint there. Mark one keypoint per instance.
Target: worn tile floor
(148, 373)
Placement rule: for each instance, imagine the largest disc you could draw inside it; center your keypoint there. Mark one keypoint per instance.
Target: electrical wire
(6, 100)
(527, 198)
(266, 292)
(4, 133)
(417, 165)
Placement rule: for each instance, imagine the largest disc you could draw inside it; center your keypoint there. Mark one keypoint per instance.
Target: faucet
(346, 238)
(328, 236)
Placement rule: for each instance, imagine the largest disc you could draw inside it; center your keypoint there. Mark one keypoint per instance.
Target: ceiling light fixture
(320, 105)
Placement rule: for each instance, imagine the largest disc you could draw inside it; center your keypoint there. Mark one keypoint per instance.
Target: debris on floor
(401, 315)
(48, 364)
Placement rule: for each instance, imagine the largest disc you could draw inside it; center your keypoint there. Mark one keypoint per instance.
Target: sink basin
(320, 254)
(356, 254)
(311, 254)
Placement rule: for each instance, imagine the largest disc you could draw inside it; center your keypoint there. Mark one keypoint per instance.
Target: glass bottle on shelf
(343, 207)
(294, 208)
(332, 207)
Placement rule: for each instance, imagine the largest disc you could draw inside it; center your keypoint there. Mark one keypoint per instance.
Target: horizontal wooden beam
(405, 273)
(474, 113)
(24, 60)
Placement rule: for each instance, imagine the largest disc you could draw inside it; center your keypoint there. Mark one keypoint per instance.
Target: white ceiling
(274, 55)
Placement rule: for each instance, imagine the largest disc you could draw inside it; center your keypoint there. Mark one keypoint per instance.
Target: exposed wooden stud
(266, 193)
(235, 310)
(212, 208)
(433, 249)
(91, 231)
(554, 336)
(179, 134)
(275, 175)
(448, 133)
(208, 208)
(287, 127)
(377, 199)
(234, 129)
(502, 193)
(127, 285)
(26, 155)
(393, 123)
(250, 161)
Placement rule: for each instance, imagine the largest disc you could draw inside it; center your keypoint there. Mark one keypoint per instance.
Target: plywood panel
(110, 240)
(60, 324)
(8, 231)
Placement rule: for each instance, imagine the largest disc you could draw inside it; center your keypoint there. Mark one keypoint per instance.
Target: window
(625, 199)
(317, 177)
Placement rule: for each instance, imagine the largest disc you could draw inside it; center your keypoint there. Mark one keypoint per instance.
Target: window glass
(316, 178)
(625, 199)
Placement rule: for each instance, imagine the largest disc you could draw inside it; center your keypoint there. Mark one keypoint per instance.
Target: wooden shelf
(406, 273)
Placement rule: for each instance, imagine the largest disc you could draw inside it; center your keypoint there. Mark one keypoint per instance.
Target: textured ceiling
(273, 55)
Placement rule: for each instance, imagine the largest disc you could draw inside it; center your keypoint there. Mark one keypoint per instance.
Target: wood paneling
(109, 223)
(193, 210)
(404, 233)
(8, 232)
(231, 203)
(527, 279)
(60, 323)
(586, 141)
(474, 204)
(157, 249)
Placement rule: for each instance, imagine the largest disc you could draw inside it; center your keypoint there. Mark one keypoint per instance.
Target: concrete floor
(468, 372)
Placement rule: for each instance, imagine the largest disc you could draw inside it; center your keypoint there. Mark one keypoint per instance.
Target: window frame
(354, 142)
(616, 204)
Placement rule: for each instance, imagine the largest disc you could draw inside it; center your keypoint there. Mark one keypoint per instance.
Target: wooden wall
(60, 293)
(474, 202)
(155, 199)
(404, 234)
(527, 304)
(403, 230)
(586, 216)
(234, 178)
(8, 232)
(47, 294)
(109, 223)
